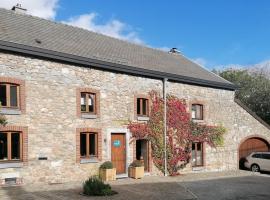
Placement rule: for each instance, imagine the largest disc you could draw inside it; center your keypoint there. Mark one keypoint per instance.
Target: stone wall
(51, 116)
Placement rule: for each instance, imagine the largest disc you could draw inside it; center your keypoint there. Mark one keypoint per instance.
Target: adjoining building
(69, 93)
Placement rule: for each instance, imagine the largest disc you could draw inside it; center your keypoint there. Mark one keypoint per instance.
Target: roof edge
(95, 63)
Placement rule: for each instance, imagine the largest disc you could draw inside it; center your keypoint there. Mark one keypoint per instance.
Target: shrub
(136, 163)
(106, 165)
(96, 187)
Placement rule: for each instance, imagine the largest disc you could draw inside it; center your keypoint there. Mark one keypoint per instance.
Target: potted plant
(136, 169)
(107, 172)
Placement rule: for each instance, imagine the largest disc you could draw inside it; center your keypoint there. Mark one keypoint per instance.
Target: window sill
(89, 160)
(5, 165)
(143, 118)
(88, 116)
(10, 111)
(198, 120)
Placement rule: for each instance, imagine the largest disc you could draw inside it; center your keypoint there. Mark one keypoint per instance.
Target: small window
(10, 146)
(142, 107)
(9, 94)
(88, 145)
(88, 103)
(197, 154)
(197, 111)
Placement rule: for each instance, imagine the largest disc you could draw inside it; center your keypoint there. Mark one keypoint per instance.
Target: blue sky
(212, 32)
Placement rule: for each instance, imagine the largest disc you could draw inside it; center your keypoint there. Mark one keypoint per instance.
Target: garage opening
(250, 145)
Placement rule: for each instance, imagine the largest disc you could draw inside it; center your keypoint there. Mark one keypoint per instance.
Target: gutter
(104, 65)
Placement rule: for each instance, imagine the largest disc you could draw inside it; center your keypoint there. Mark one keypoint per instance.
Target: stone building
(69, 93)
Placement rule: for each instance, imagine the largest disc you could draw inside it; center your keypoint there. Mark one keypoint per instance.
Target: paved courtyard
(217, 185)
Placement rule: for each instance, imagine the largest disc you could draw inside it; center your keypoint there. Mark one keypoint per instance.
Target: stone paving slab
(150, 187)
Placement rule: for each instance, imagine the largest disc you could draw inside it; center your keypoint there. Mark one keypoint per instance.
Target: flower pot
(136, 172)
(107, 174)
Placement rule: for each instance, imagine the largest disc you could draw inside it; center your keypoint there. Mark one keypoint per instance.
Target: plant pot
(107, 174)
(136, 172)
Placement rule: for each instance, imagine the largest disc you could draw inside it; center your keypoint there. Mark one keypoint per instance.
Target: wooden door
(118, 146)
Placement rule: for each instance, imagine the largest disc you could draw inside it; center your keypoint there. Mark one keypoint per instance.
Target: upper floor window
(10, 146)
(197, 111)
(142, 107)
(9, 95)
(88, 102)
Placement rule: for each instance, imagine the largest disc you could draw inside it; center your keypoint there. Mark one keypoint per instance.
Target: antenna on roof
(18, 9)
(175, 51)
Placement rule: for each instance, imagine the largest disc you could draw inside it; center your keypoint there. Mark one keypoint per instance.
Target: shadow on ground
(141, 191)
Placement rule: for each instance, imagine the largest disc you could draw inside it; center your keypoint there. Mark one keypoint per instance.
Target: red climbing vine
(181, 132)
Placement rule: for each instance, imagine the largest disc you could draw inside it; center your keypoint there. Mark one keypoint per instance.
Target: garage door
(251, 145)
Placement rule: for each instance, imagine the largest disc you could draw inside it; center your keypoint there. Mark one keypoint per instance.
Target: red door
(118, 145)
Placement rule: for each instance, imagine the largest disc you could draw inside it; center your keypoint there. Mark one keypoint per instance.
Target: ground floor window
(197, 154)
(10, 146)
(88, 145)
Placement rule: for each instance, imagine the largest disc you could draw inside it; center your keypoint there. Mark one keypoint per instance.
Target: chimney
(18, 9)
(174, 51)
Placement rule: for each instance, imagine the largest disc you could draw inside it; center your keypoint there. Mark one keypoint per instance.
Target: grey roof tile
(24, 29)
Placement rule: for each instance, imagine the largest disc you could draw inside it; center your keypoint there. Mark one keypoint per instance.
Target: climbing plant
(181, 132)
(3, 120)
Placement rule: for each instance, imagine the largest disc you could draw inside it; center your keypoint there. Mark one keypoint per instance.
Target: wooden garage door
(118, 146)
(252, 145)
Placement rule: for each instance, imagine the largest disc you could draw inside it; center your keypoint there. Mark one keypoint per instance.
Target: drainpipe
(165, 124)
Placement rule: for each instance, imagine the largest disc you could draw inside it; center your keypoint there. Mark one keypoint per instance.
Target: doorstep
(120, 176)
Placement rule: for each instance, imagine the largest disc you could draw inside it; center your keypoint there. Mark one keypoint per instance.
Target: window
(10, 146)
(88, 145)
(266, 156)
(142, 107)
(256, 155)
(197, 111)
(88, 102)
(9, 95)
(197, 154)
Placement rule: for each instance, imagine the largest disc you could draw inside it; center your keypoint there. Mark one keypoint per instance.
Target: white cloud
(41, 8)
(200, 61)
(113, 28)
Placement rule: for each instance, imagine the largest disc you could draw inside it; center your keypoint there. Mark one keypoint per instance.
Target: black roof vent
(18, 9)
(175, 50)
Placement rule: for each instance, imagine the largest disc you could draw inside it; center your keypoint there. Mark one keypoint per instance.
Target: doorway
(118, 152)
(142, 152)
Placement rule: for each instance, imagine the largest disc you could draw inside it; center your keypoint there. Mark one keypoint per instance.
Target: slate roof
(26, 31)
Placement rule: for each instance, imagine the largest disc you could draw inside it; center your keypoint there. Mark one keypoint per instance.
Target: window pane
(91, 102)
(15, 146)
(193, 112)
(13, 96)
(138, 106)
(144, 107)
(92, 142)
(3, 146)
(83, 102)
(83, 144)
(3, 95)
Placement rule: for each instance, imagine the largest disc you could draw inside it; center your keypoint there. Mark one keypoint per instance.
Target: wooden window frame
(23, 142)
(78, 143)
(8, 81)
(142, 97)
(9, 147)
(8, 96)
(86, 103)
(81, 91)
(202, 111)
(88, 156)
(202, 158)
